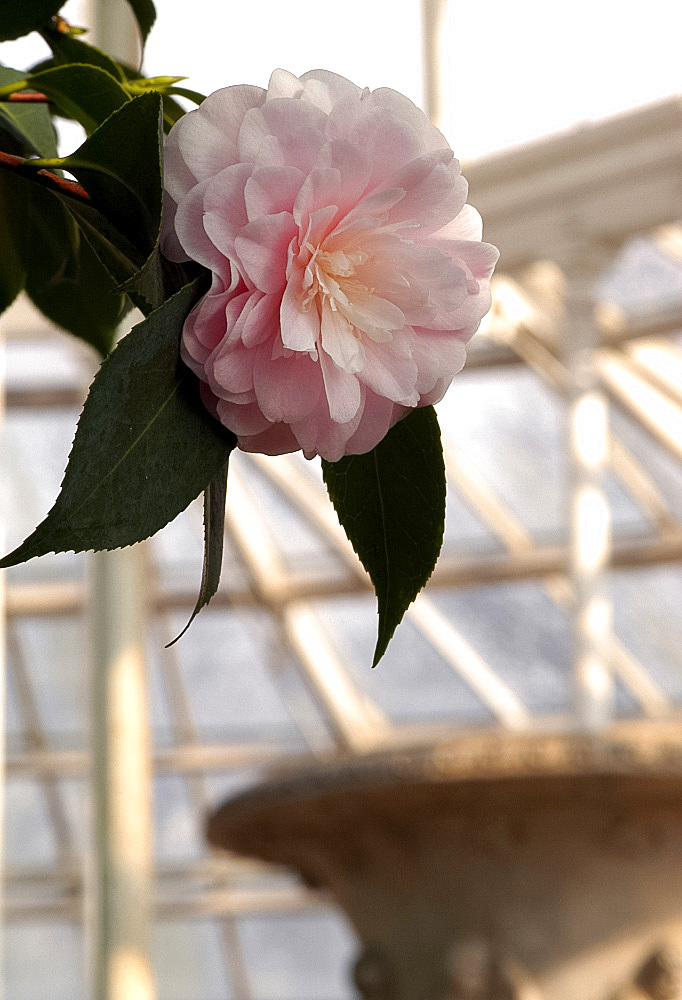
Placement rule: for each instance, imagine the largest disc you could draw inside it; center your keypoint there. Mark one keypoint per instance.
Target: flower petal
(224, 208)
(392, 372)
(287, 388)
(435, 192)
(189, 228)
(262, 248)
(325, 89)
(207, 138)
(300, 327)
(342, 389)
(270, 190)
(340, 341)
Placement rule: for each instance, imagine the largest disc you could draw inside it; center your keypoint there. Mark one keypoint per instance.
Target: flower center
(330, 274)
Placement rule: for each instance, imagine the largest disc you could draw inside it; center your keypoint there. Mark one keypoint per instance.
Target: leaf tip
(180, 634)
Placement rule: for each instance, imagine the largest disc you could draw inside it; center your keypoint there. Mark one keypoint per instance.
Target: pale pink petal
(364, 216)
(207, 137)
(392, 373)
(319, 190)
(325, 89)
(207, 324)
(278, 439)
(467, 225)
(435, 192)
(270, 190)
(231, 369)
(340, 342)
(320, 435)
(438, 355)
(388, 142)
(370, 313)
(354, 167)
(342, 389)
(280, 118)
(244, 420)
(300, 327)
(478, 259)
(378, 416)
(178, 179)
(189, 227)
(262, 248)
(224, 208)
(300, 149)
(403, 108)
(287, 389)
(283, 84)
(424, 282)
(262, 323)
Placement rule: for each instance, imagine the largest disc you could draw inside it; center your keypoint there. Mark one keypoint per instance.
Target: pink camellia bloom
(348, 272)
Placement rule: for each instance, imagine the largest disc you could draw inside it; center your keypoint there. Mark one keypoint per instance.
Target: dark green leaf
(12, 268)
(117, 254)
(192, 95)
(120, 166)
(87, 94)
(29, 124)
(173, 111)
(69, 49)
(391, 503)
(145, 446)
(65, 279)
(145, 14)
(19, 17)
(214, 533)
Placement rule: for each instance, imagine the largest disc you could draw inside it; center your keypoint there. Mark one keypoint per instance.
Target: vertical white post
(590, 521)
(121, 897)
(433, 14)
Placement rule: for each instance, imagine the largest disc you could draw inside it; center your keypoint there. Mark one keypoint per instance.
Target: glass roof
(278, 666)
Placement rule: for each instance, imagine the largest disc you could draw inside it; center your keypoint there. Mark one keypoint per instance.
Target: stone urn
(491, 866)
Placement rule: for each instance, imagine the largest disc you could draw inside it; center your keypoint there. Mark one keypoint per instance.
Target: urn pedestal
(491, 867)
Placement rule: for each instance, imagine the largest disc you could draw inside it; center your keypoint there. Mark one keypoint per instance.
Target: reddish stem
(25, 97)
(69, 187)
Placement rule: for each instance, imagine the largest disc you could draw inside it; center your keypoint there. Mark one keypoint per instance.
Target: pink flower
(348, 272)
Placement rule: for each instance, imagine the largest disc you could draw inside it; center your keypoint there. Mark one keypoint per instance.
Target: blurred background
(554, 608)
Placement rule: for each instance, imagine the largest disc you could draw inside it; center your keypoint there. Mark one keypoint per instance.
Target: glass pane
(43, 961)
(299, 956)
(412, 683)
(224, 668)
(55, 657)
(29, 838)
(188, 961)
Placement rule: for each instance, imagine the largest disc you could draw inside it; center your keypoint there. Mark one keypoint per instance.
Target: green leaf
(17, 17)
(191, 95)
(66, 48)
(214, 533)
(65, 279)
(145, 446)
(120, 166)
(391, 503)
(12, 268)
(145, 14)
(29, 124)
(87, 94)
(117, 255)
